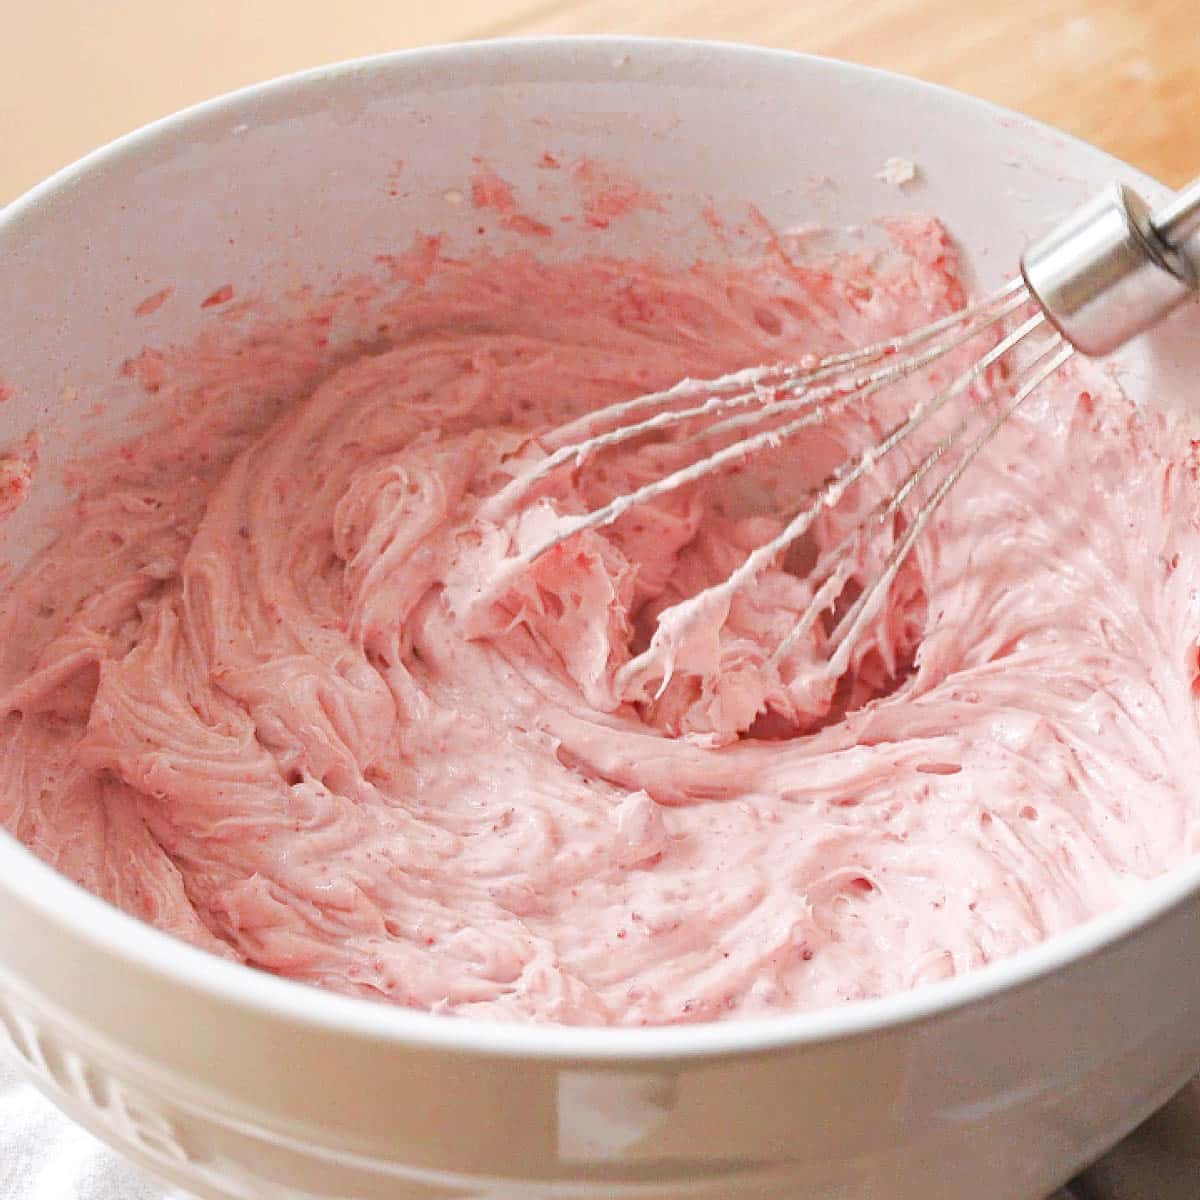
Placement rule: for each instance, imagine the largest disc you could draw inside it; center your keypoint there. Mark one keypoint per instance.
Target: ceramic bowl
(241, 1086)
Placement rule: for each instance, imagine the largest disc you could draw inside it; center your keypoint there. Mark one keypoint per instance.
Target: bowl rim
(82, 915)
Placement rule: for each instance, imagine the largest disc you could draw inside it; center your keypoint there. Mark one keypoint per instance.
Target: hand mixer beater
(1107, 273)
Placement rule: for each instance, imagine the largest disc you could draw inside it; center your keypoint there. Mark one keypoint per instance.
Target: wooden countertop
(1124, 74)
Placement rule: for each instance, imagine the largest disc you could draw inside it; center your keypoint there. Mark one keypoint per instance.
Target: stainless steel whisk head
(1104, 275)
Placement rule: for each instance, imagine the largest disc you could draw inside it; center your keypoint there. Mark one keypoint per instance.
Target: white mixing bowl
(997, 1085)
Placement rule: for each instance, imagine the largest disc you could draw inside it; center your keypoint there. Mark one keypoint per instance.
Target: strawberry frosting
(278, 688)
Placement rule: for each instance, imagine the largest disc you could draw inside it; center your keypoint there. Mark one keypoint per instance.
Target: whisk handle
(1177, 223)
(1113, 268)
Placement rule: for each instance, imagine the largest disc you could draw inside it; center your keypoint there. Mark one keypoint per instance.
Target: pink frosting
(277, 689)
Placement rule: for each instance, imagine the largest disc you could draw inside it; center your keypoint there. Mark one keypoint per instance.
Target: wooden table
(1124, 74)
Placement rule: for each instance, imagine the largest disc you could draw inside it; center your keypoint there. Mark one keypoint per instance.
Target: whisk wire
(806, 395)
(868, 385)
(888, 507)
(757, 384)
(851, 626)
(818, 407)
(718, 595)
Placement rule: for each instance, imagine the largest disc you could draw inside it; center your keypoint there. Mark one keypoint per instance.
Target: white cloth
(44, 1156)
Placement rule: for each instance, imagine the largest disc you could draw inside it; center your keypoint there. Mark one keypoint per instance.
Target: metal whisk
(1106, 274)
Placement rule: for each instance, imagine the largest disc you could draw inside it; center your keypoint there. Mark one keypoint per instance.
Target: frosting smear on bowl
(265, 692)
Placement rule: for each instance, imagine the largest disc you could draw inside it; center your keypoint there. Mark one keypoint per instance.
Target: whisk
(1107, 273)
